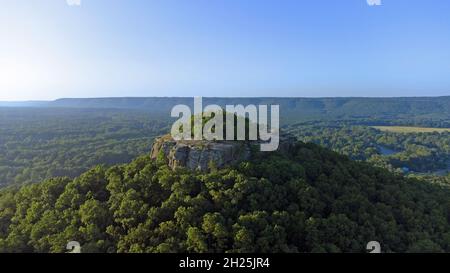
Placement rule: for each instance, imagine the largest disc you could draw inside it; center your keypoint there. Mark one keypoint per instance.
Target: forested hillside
(309, 200)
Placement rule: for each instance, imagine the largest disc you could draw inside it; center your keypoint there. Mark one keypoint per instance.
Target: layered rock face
(200, 155)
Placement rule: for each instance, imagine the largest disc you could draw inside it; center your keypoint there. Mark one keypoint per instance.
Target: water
(386, 151)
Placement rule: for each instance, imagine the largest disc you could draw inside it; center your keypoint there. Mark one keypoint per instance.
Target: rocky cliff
(202, 155)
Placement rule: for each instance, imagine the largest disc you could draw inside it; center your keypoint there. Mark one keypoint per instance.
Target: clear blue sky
(305, 48)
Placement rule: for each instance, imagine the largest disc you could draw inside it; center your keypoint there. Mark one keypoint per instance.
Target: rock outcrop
(202, 154)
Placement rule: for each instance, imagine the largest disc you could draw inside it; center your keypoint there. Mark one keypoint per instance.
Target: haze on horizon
(223, 48)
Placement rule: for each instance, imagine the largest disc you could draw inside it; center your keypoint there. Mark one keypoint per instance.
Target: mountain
(308, 199)
(356, 106)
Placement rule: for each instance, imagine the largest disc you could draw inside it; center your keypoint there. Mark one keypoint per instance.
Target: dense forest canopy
(308, 200)
(40, 143)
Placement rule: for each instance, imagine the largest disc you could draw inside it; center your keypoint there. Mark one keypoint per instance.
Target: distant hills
(415, 109)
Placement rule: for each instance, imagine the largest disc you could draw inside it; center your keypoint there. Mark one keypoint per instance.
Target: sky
(223, 48)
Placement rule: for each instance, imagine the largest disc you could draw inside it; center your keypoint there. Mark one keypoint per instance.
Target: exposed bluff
(202, 154)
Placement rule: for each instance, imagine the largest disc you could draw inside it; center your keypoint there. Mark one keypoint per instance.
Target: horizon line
(219, 97)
